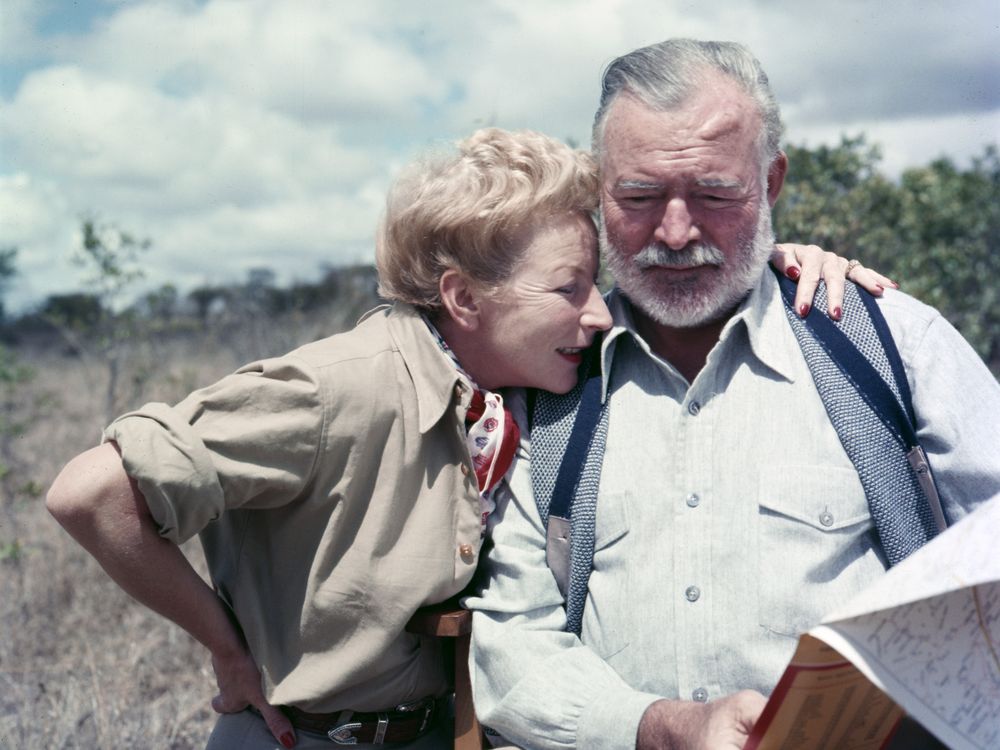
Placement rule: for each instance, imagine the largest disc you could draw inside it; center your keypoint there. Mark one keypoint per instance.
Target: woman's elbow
(84, 485)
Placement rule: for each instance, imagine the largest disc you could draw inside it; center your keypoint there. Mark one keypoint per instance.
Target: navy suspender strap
(558, 526)
(579, 442)
(892, 354)
(875, 392)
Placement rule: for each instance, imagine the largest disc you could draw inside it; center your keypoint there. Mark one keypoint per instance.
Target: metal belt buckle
(342, 735)
(426, 704)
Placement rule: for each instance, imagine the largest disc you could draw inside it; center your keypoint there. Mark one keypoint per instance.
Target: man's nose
(676, 228)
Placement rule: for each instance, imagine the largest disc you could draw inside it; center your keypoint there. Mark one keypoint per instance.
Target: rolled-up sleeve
(534, 683)
(249, 440)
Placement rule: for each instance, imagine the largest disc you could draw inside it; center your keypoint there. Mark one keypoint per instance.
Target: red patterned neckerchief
(492, 434)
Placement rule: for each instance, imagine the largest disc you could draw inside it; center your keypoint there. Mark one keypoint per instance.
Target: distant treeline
(936, 230)
(166, 310)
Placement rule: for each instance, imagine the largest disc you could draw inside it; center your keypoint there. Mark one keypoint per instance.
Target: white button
(700, 695)
(826, 518)
(693, 500)
(692, 593)
(694, 407)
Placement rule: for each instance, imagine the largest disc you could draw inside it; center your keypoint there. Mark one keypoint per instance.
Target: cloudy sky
(238, 134)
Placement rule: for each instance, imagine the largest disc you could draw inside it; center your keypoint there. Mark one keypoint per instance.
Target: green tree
(936, 230)
(100, 328)
(15, 415)
(8, 255)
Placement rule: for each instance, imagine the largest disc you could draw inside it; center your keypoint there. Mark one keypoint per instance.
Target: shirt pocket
(816, 545)
(607, 612)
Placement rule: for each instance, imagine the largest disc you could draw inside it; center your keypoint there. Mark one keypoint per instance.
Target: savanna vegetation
(81, 665)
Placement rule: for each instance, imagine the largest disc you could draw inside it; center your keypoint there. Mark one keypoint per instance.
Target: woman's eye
(567, 290)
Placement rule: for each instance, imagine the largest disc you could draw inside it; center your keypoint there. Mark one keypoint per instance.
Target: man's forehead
(722, 124)
(708, 117)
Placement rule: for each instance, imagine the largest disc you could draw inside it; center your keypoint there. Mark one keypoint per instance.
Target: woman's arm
(807, 264)
(102, 508)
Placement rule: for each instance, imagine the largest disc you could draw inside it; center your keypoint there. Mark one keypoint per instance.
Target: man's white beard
(690, 302)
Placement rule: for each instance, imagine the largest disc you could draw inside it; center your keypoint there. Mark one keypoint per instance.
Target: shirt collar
(436, 380)
(762, 315)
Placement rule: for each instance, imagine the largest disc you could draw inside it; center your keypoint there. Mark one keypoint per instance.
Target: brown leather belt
(405, 723)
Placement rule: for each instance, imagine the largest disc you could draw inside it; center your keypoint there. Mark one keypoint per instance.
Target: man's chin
(679, 312)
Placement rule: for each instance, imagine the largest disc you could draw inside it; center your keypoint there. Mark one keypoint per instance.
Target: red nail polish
(837, 312)
(793, 273)
(804, 309)
(288, 740)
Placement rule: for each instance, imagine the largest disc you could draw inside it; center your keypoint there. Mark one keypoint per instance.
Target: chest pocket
(816, 544)
(606, 616)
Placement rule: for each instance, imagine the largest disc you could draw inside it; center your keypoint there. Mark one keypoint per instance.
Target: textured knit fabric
(334, 495)
(901, 511)
(552, 423)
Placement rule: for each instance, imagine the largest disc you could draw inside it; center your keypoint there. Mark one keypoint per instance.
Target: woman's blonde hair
(466, 210)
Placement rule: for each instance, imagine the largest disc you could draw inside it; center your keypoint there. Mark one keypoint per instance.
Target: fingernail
(837, 312)
(288, 740)
(895, 285)
(880, 288)
(804, 309)
(793, 273)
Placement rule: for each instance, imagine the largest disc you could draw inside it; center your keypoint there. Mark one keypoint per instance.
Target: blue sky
(245, 133)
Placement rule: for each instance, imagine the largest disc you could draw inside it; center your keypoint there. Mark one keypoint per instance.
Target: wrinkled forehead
(706, 136)
(717, 112)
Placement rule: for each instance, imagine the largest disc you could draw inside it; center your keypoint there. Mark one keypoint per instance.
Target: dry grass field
(81, 664)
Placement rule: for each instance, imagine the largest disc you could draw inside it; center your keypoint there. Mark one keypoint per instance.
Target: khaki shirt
(333, 491)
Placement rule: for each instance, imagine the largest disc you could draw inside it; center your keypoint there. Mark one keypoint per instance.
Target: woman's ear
(459, 299)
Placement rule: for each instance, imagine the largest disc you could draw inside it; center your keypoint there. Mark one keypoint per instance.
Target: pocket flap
(824, 497)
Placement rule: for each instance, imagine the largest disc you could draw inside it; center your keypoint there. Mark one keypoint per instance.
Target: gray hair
(662, 76)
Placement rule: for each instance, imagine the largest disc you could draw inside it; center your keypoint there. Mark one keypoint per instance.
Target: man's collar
(762, 314)
(771, 338)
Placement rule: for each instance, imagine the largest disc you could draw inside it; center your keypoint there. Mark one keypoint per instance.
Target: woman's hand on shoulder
(807, 264)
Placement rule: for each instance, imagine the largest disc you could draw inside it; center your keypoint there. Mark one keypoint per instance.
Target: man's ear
(776, 177)
(459, 299)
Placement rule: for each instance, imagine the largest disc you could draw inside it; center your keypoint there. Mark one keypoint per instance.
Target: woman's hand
(238, 678)
(807, 264)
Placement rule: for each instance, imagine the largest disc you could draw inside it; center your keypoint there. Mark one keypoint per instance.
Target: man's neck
(685, 348)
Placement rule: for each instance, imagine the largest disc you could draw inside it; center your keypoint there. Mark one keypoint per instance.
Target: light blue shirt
(729, 521)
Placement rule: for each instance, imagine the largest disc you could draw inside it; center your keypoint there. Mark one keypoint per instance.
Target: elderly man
(731, 513)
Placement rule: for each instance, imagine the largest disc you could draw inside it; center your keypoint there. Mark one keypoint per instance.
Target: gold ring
(851, 265)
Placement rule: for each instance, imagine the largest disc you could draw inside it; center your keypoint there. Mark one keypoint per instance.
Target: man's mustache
(699, 254)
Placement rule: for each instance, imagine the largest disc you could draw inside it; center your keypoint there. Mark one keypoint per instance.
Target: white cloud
(240, 133)
(914, 141)
(35, 218)
(313, 59)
